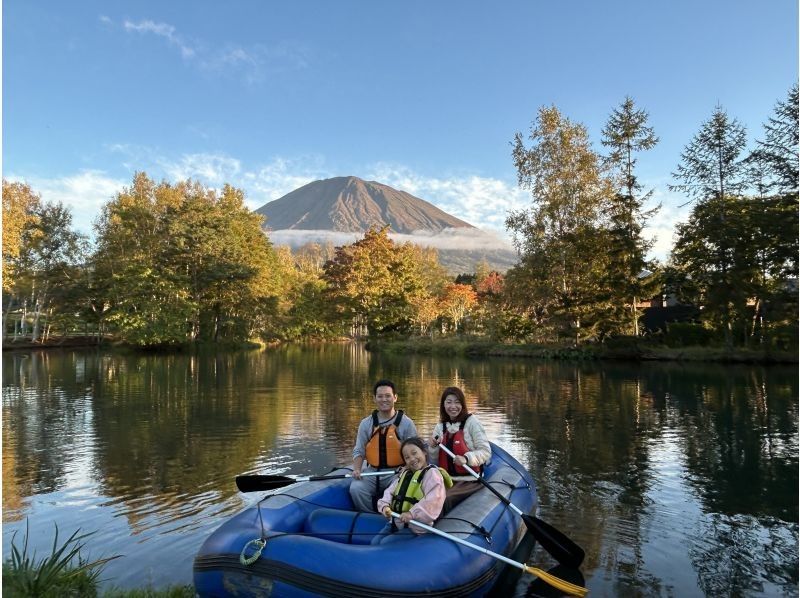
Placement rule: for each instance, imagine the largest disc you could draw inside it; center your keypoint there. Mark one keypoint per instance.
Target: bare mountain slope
(350, 204)
(341, 209)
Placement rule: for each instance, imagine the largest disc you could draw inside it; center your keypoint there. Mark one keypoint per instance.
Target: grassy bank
(631, 351)
(65, 573)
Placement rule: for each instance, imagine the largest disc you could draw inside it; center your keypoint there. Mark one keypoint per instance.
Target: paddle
(564, 550)
(554, 581)
(255, 483)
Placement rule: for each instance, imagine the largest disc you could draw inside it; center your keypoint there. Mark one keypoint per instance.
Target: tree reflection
(629, 459)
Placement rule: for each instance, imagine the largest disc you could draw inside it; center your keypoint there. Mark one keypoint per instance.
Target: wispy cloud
(161, 30)
(214, 169)
(257, 61)
(252, 63)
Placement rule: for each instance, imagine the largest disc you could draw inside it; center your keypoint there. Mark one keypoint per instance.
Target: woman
(463, 434)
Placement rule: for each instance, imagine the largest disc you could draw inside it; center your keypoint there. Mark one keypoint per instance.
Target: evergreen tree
(713, 172)
(711, 165)
(627, 133)
(776, 157)
(773, 167)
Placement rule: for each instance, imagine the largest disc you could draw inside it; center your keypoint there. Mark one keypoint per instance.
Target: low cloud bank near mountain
(448, 239)
(461, 250)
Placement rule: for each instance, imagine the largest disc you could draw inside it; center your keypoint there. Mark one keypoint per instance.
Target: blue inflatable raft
(316, 545)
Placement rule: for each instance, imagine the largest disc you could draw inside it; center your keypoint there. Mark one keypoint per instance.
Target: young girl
(464, 435)
(418, 493)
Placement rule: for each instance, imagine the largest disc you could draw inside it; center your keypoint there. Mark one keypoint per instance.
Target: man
(378, 441)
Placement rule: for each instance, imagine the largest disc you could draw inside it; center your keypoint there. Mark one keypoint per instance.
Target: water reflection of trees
(592, 430)
(45, 413)
(172, 430)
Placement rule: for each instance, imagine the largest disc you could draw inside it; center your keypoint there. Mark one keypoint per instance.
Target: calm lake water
(677, 479)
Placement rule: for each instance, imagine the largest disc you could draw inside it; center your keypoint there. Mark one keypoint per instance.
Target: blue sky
(424, 96)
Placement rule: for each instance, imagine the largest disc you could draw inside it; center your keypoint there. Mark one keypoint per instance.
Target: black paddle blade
(564, 550)
(256, 483)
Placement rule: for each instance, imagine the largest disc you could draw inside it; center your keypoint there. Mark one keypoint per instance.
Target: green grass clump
(64, 573)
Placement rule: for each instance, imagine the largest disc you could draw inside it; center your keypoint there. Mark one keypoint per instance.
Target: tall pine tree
(713, 172)
(626, 134)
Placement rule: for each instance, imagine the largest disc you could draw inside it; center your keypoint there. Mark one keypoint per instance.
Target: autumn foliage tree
(562, 238)
(20, 205)
(49, 267)
(457, 301)
(378, 285)
(180, 263)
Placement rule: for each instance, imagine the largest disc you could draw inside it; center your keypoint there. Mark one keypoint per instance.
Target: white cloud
(451, 238)
(280, 176)
(297, 238)
(255, 62)
(84, 193)
(214, 169)
(661, 226)
(456, 238)
(261, 184)
(252, 63)
(164, 30)
(480, 201)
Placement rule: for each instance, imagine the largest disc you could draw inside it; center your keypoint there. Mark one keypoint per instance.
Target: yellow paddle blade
(557, 582)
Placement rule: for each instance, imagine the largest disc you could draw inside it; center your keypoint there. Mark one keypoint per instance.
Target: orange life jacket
(383, 447)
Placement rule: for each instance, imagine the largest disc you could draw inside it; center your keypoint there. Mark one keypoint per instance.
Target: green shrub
(688, 334)
(784, 337)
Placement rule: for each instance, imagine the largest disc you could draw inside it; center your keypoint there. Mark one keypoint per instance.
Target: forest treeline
(175, 263)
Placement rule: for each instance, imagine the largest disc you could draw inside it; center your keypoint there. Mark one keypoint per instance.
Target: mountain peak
(351, 204)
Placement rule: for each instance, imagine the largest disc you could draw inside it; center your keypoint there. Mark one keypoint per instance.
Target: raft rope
(478, 528)
(259, 543)
(527, 483)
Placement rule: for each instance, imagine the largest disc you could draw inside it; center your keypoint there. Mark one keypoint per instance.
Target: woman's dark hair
(459, 394)
(380, 383)
(417, 442)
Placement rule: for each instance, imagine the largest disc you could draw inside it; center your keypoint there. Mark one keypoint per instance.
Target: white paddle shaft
(477, 476)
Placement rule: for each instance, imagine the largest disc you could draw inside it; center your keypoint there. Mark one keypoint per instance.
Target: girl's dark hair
(459, 394)
(417, 442)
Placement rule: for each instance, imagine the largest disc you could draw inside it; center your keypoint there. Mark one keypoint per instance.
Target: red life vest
(458, 445)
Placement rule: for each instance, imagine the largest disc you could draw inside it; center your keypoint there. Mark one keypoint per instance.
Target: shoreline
(66, 342)
(468, 347)
(640, 351)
